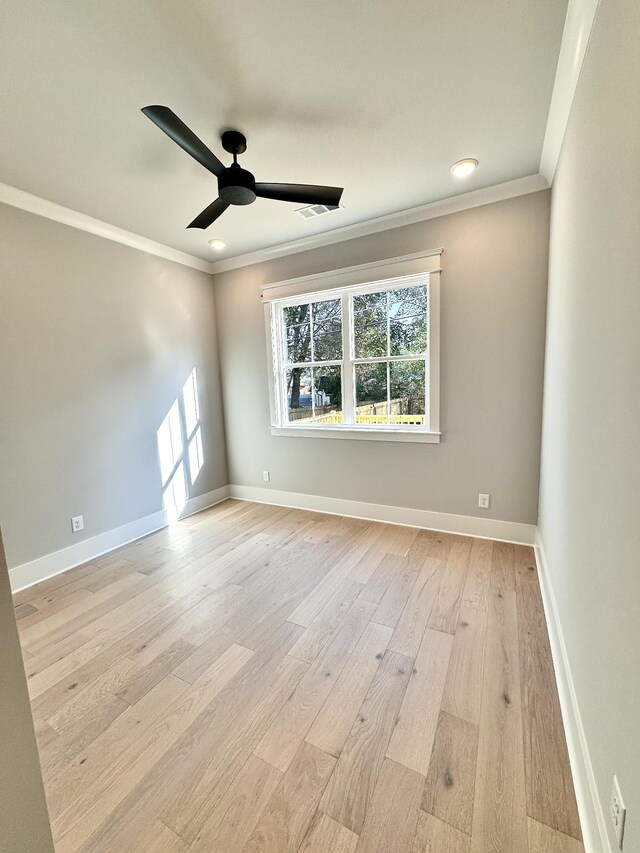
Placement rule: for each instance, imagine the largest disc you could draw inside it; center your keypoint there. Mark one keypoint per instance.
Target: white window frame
(345, 284)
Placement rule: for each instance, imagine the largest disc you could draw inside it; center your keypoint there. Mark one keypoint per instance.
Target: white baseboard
(201, 502)
(465, 525)
(89, 549)
(592, 820)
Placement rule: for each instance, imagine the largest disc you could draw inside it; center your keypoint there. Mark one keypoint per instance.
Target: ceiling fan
(235, 184)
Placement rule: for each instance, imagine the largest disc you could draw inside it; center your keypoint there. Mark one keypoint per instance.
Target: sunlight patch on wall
(196, 455)
(180, 448)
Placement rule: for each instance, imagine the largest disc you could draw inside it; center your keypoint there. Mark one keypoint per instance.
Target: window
(357, 360)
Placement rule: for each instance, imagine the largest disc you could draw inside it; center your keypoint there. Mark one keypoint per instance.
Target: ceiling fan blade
(177, 130)
(209, 214)
(300, 193)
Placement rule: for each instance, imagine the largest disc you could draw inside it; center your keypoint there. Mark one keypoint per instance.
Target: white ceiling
(380, 97)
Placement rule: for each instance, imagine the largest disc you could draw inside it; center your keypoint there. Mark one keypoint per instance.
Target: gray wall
(590, 484)
(493, 299)
(24, 822)
(96, 340)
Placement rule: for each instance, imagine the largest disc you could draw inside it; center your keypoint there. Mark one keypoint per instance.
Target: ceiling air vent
(312, 210)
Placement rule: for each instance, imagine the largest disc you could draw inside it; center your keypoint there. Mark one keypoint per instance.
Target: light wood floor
(264, 679)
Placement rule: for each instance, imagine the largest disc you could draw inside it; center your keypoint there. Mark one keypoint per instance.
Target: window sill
(358, 433)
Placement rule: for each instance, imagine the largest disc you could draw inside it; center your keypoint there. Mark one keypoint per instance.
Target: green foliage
(314, 331)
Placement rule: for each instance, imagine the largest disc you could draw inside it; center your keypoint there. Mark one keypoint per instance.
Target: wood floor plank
(389, 567)
(84, 702)
(331, 727)
(146, 677)
(216, 745)
(463, 687)
(117, 614)
(69, 787)
(395, 598)
(352, 783)
(259, 600)
(320, 630)
(195, 624)
(450, 786)
(35, 664)
(121, 590)
(24, 609)
(52, 587)
(297, 587)
(286, 818)
(284, 737)
(392, 817)
(58, 754)
(339, 556)
(186, 784)
(111, 573)
(413, 736)
(91, 658)
(415, 616)
(503, 566)
(386, 539)
(435, 836)
(544, 839)
(45, 606)
(499, 816)
(444, 614)
(44, 734)
(108, 788)
(327, 836)
(235, 817)
(550, 795)
(478, 580)
(160, 839)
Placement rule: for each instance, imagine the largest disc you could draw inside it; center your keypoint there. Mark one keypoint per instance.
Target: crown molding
(465, 201)
(50, 210)
(454, 204)
(575, 40)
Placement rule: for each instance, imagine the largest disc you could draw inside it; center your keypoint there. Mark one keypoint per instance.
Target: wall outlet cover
(77, 524)
(483, 501)
(266, 476)
(617, 811)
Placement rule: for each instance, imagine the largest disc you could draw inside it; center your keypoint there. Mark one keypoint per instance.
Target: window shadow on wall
(180, 448)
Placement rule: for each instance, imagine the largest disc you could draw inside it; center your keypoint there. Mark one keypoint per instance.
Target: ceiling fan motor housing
(237, 186)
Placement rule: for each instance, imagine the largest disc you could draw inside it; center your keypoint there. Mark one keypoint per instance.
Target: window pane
(372, 307)
(407, 379)
(298, 333)
(327, 389)
(327, 330)
(371, 393)
(408, 335)
(299, 394)
(370, 339)
(407, 302)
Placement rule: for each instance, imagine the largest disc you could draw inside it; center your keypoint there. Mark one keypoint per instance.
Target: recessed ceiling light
(463, 168)
(217, 245)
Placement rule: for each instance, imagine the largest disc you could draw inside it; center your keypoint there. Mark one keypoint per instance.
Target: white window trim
(363, 278)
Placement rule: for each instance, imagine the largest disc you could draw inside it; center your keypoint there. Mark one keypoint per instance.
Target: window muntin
(355, 357)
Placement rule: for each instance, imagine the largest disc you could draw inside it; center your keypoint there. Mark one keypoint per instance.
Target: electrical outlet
(77, 524)
(618, 811)
(483, 501)
(266, 476)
